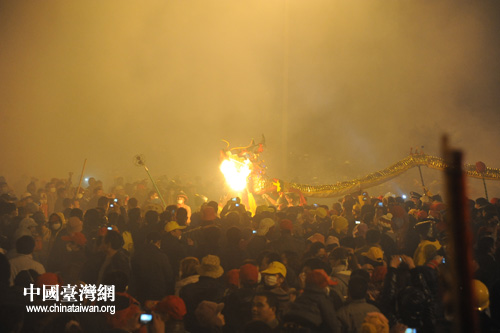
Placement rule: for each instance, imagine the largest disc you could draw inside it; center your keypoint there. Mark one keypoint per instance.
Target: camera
(145, 318)
(254, 231)
(116, 200)
(358, 222)
(110, 228)
(111, 205)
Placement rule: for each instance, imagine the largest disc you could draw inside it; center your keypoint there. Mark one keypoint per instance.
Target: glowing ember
(236, 173)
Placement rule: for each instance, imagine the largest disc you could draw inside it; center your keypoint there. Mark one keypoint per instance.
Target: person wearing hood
(59, 250)
(313, 308)
(27, 227)
(56, 223)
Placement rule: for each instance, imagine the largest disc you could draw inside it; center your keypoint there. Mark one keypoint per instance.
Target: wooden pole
(81, 179)
(460, 242)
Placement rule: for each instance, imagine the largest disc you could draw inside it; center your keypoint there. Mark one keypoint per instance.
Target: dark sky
(339, 88)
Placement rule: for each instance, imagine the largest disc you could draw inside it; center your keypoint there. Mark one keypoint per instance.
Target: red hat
(48, 279)
(379, 273)
(208, 213)
(77, 238)
(438, 206)
(172, 305)
(249, 274)
(422, 215)
(233, 277)
(286, 225)
(398, 211)
(319, 278)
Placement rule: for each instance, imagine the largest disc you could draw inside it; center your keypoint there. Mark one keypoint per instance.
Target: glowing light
(87, 179)
(236, 173)
(403, 196)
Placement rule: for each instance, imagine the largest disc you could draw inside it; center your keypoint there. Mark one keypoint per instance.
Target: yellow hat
(374, 253)
(173, 225)
(482, 295)
(275, 268)
(339, 224)
(321, 212)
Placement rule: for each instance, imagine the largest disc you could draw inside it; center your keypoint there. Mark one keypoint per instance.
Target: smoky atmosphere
(339, 89)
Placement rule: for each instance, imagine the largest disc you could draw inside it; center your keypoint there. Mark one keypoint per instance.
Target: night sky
(338, 88)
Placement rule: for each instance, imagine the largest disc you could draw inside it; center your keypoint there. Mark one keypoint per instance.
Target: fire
(236, 173)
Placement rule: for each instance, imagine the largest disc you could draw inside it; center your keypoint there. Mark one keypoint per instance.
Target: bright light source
(236, 173)
(87, 179)
(403, 196)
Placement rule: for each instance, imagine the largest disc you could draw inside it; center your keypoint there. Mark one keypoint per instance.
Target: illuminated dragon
(243, 166)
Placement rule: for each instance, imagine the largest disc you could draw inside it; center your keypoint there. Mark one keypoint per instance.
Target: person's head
(182, 198)
(127, 313)
(318, 250)
(25, 245)
(357, 287)
(340, 225)
(174, 229)
(171, 308)
(486, 245)
(372, 237)
(274, 275)
(339, 256)
(151, 217)
(181, 216)
(103, 202)
(249, 275)
(209, 314)
(132, 203)
(264, 306)
(318, 279)
(188, 267)
(113, 240)
(210, 267)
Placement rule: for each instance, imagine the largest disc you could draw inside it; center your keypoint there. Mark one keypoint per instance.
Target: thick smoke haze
(339, 88)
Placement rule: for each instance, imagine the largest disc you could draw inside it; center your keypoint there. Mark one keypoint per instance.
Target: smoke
(339, 88)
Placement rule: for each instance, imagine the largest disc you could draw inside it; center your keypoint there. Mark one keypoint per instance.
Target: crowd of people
(363, 264)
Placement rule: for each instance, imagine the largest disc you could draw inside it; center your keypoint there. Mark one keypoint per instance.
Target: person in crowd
(187, 273)
(429, 244)
(59, 252)
(74, 257)
(259, 241)
(313, 309)
(172, 246)
(239, 303)
(112, 257)
(233, 254)
(265, 308)
(152, 275)
(209, 317)
(172, 310)
(353, 313)
(274, 281)
(24, 259)
(182, 203)
(208, 288)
